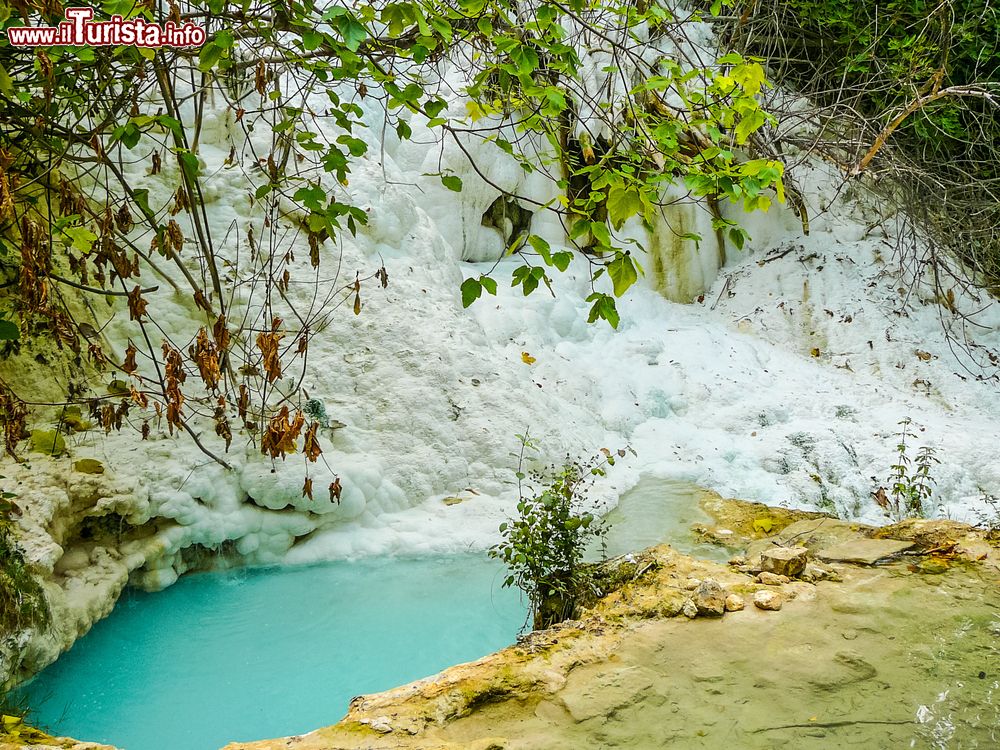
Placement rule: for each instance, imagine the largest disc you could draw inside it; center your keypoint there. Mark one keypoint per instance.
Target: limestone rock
(785, 561)
(710, 598)
(770, 600)
(599, 691)
(691, 584)
(815, 572)
(734, 603)
(381, 724)
(813, 534)
(864, 551)
(772, 579)
(690, 609)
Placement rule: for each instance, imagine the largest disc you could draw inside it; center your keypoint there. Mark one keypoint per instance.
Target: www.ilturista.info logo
(79, 30)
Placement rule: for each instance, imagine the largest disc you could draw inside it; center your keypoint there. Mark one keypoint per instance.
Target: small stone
(815, 572)
(785, 561)
(772, 579)
(734, 603)
(381, 724)
(690, 609)
(738, 560)
(691, 584)
(769, 600)
(710, 598)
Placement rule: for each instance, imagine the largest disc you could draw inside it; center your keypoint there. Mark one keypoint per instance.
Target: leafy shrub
(545, 545)
(909, 480)
(22, 601)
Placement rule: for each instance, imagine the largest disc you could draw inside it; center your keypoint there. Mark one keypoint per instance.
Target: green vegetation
(544, 546)
(22, 606)
(77, 228)
(910, 480)
(912, 84)
(22, 601)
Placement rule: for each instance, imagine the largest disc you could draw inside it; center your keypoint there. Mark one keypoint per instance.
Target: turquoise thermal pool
(254, 653)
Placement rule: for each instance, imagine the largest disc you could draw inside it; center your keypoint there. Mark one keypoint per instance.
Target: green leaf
(452, 182)
(47, 441)
(525, 58)
(472, 289)
(224, 39)
(141, 197)
(88, 466)
(9, 330)
(6, 83)
(312, 40)
(312, 197)
(81, 239)
(129, 134)
(490, 285)
(352, 32)
(623, 273)
(356, 146)
(541, 247)
(750, 77)
(749, 124)
(209, 57)
(600, 232)
(189, 163)
(623, 204)
(527, 278)
(603, 308)
(434, 107)
(561, 260)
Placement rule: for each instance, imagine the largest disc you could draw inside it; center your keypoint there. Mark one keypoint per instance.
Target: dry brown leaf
(268, 343)
(206, 356)
(136, 304)
(310, 443)
(128, 364)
